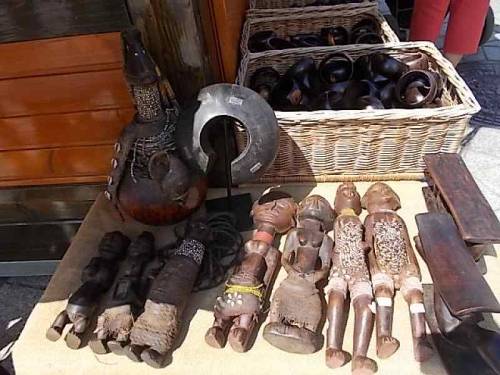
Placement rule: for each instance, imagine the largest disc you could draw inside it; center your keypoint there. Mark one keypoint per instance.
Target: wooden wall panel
(71, 129)
(55, 163)
(37, 19)
(60, 55)
(64, 103)
(63, 93)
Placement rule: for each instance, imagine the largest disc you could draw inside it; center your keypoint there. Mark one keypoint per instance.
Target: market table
(34, 354)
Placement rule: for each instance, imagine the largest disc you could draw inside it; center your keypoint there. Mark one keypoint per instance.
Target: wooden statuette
(349, 274)
(296, 309)
(393, 266)
(97, 278)
(239, 310)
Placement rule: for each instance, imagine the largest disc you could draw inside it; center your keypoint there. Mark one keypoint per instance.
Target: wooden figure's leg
(384, 298)
(216, 335)
(411, 289)
(55, 330)
(363, 328)
(337, 312)
(75, 336)
(241, 332)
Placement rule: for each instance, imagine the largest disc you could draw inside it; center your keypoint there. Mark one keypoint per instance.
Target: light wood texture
(55, 163)
(60, 55)
(63, 93)
(64, 104)
(70, 129)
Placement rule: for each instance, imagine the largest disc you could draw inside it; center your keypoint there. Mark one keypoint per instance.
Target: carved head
(347, 197)
(142, 245)
(172, 175)
(317, 208)
(380, 196)
(277, 209)
(198, 230)
(139, 67)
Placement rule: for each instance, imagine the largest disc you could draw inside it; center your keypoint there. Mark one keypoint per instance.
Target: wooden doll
(296, 308)
(349, 274)
(393, 266)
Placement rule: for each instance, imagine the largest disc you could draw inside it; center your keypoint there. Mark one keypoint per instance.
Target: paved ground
(482, 155)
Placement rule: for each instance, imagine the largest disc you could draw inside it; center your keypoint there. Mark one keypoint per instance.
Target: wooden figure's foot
(73, 340)
(387, 346)
(292, 339)
(238, 339)
(98, 346)
(153, 358)
(336, 358)
(54, 333)
(216, 337)
(133, 352)
(117, 347)
(363, 366)
(422, 349)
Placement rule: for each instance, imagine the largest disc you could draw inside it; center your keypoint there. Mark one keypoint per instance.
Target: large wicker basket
(268, 8)
(369, 144)
(312, 22)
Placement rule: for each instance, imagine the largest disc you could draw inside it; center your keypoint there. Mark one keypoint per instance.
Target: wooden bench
(453, 189)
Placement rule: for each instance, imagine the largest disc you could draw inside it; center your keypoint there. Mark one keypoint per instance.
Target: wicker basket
(270, 8)
(312, 22)
(369, 144)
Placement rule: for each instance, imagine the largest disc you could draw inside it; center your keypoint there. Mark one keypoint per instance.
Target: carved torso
(350, 253)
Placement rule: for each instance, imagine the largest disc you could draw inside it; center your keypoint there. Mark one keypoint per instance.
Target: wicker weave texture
(276, 4)
(312, 22)
(370, 144)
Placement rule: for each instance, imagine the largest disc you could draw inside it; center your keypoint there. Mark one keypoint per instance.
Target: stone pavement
(482, 155)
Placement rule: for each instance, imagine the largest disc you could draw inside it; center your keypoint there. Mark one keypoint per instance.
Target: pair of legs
(465, 24)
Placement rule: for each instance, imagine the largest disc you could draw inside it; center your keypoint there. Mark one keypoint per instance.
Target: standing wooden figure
(393, 266)
(349, 273)
(238, 311)
(296, 308)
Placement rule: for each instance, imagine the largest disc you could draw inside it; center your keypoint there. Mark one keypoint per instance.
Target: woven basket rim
(253, 7)
(368, 8)
(468, 106)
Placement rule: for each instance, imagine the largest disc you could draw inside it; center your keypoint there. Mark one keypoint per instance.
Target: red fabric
(465, 24)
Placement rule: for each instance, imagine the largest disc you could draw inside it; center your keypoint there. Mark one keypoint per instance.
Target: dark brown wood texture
(64, 103)
(172, 34)
(38, 19)
(472, 213)
(453, 271)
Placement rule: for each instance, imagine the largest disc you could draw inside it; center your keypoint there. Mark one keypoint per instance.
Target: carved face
(276, 208)
(347, 197)
(380, 196)
(198, 230)
(318, 208)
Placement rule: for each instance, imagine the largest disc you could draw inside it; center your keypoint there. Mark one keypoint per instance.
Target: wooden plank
(472, 213)
(228, 17)
(64, 93)
(71, 129)
(172, 34)
(453, 270)
(61, 55)
(38, 19)
(55, 163)
(53, 181)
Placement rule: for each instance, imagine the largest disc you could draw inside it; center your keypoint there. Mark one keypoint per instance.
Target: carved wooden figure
(296, 308)
(155, 331)
(393, 266)
(148, 180)
(97, 277)
(238, 311)
(115, 323)
(349, 274)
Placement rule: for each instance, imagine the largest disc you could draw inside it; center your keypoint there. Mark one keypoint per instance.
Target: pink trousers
(465, 24)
